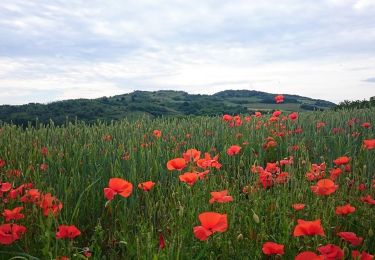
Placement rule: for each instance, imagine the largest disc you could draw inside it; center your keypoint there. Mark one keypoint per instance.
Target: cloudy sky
(62, 49)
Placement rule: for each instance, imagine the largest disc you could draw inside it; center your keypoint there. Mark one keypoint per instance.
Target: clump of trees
(346, 104)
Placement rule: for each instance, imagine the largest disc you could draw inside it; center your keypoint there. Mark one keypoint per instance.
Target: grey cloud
(370, 80)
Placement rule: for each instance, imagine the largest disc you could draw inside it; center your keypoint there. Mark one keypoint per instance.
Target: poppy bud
(256, 218)
(370, 232)
(240, 237)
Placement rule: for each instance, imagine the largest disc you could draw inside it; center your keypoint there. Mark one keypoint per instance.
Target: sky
(64, 49)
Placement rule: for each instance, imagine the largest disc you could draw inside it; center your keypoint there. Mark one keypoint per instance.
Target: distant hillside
(154, 104)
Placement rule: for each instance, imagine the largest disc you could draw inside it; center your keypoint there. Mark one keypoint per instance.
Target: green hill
(154, 104)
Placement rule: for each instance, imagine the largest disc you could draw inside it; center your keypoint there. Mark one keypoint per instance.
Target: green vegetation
(356, 104)
(155, 104)
(74, 163)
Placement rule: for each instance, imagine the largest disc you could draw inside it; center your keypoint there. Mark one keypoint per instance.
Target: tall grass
(81, 162)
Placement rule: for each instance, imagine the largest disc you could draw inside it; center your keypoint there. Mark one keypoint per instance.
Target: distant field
(65, 175)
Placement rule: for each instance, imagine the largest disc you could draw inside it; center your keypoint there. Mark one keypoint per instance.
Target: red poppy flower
(277, 113)
(368, 199)
(220, 197)
(293, 116)
(298, 206)
(272, 168)
(366, 125)
(157, 133)
(43, 167)
(31, 196)
(227, 117)
(266, 179)
(342, 160)
(70, 232)
(361, 256)
(271, 248)
(258, 114)
(308, 255)
(146, 186)
(191, 155)
(5, 187)
(233, 150)
(62, 258)
(331, 252)
(282, 177)
(50, 204)
(118, 186)
(324, 187)
(189, 178)
(211, 222)
(279, 99)
(351, 238)
(176, 164)
(334, 173)
(13, 214)
(369, 144)
(308, 228)
(344, 210)
(44, 151)
(10, 233)
(202, 175)
(207, 161)
(2, 163)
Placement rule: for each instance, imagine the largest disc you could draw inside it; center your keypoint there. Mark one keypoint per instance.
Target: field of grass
(75, 163)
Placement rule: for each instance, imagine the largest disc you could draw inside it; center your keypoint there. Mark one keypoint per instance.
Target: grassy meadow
(75, 162)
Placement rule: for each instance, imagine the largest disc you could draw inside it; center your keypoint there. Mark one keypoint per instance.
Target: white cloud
(70, 49)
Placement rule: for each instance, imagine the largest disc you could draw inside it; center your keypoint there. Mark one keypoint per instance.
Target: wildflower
(207, 161)
(344, 210)
(10, 233)
(146, 186)
(334, 173)
(191, 155)
(2, 163)
(342, 160)
(293, 116)
(308, 255)
(369, 144)
(176, 164)
(189, 178)
(324, 187)
(320, 125)
(44, 151)
(220, 197)
(13, 214)
(50, 204)
(157, 133)
(211, 222)
(298, 206)
(70, 232)
(43, 167)
(227, 117)
(366, 125)
(118, 186)
(331, 252)
(368, 199)
(279, 99)
(277, 113)
(281, 177)
(271, 248)
(361, 256)
(351, 238)
(308, 228)
(233, 150)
